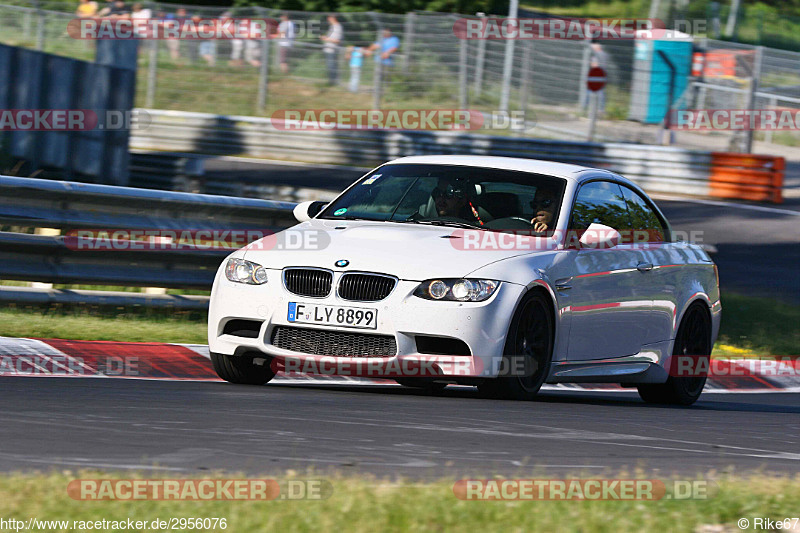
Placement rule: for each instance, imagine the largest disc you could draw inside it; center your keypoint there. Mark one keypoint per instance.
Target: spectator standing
(86, 9)
(387, 46)
(174, 44)
(140, 13)
(331, 48)
(244, 46)
(285, 34)
(119, 10)
(355, 55)
(106, 9)
(208, 49)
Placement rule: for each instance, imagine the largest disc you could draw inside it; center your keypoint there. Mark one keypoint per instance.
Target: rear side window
(643, 217)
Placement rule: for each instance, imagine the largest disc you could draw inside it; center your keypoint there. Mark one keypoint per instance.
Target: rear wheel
(693, 338)
(528, 351)
(241, 369)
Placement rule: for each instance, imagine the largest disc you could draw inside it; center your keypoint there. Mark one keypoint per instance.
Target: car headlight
(457, 290)
(241, 271)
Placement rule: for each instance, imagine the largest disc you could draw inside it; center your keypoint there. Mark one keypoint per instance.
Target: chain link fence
(431, 69)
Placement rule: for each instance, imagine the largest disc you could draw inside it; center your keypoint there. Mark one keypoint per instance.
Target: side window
(643, 218)
(600, 202)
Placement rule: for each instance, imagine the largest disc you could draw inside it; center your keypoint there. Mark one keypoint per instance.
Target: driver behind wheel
(452, 200)
(544, 208)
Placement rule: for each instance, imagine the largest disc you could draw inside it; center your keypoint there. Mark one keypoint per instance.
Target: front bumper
(483, 326)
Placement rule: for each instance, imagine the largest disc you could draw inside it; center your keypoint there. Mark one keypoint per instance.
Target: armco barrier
(656, 168)
(37, 203)
(746, 176)
(69, 205)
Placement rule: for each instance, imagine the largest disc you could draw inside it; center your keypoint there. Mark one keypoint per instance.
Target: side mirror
(307, 210)
(599, 236)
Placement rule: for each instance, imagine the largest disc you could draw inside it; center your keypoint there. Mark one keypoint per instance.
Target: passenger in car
(544, 208)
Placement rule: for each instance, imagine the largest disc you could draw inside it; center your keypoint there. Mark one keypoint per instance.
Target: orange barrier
(747, 177)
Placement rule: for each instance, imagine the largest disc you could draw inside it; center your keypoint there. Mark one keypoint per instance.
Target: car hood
(408, 251)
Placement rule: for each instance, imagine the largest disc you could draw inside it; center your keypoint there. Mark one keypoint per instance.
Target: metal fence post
(408, 39)
(377, 82)
(263, 78)
(508, 64)
(585, 64)
(26, 24)
(462, 74)
(701, 97)
(41, 20)
(592, 115)
(527, 58)
(751, 97)
(479, 61)
(152, 72)
(768, 134)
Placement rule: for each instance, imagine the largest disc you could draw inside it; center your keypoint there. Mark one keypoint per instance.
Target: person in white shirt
(249, 46)
(139, 12)
(331, 48)
(285, 35)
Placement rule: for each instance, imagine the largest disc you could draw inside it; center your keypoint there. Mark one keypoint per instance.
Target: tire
(530, 342)
(693, 338)
(240, 369)
(424, 384)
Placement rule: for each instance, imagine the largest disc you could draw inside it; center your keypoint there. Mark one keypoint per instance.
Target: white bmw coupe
(495, 272)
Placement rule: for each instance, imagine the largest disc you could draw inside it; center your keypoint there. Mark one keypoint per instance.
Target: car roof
(567, 171)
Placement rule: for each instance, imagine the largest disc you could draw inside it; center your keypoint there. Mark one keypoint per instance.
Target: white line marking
(703, 201)
(572, 435)
(78, 461)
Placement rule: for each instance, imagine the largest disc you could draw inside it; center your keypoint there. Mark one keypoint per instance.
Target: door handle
(563, 284)
(644, 267)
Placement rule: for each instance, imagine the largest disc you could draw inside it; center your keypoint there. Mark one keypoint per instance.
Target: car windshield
(451, 195)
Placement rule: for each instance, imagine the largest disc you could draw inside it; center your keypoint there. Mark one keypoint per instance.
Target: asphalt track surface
(195, 427)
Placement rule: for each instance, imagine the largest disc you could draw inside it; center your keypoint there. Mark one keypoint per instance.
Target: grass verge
(750, 325)
(361, 504)
(129, 325)
(760, 326)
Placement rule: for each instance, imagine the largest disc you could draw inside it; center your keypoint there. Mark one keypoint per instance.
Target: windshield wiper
(351, 218)
(447, 223)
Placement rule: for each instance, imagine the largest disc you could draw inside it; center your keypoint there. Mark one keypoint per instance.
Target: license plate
(333, 315)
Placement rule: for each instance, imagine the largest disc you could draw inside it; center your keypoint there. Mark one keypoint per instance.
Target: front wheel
(242, 369)
(693, 339)
(528, 351)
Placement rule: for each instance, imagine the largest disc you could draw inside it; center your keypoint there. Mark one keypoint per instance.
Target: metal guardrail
(69, 205)
(655, 168)
(36, 203)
